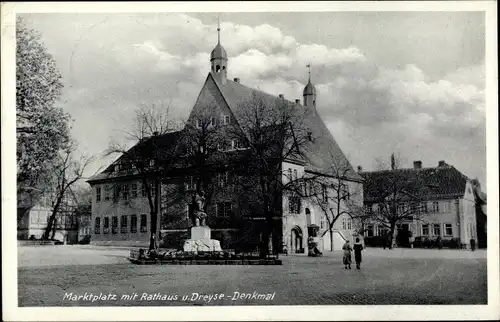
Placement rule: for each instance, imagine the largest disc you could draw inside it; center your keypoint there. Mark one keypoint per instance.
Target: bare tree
(66, 173)
(331, 192)
(271, 132)
(151, 158)
(203, 145)
(398, 195)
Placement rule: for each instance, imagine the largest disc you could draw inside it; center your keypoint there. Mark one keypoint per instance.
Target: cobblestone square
(87, 276)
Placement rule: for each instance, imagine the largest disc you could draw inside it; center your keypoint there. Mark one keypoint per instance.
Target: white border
(9, 277)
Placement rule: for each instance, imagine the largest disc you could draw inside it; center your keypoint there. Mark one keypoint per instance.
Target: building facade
(124, 217)
(33, 222)
(447, 208)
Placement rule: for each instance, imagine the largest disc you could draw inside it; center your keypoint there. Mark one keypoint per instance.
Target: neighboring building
(123, 217)
(33, 222)
(448, 205)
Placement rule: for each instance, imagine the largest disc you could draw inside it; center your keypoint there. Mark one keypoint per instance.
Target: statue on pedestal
(199, 215)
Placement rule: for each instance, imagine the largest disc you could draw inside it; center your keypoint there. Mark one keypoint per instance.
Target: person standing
(347, 254)
(358, 247)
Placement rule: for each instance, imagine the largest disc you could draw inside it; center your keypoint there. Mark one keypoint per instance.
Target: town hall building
(125, 219)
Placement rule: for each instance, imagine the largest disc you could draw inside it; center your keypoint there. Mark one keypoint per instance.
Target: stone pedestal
(200, 232)
(200, 241)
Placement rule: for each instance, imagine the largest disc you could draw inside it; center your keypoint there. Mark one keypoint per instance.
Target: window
(446, 206)
(380, 230)
(134, 190)
(97, 225)
(224, 209)
(436, 230)
(295, 174)
(368, 209)
(116, 192)
(435, 206)
(294, 204)
(380, 208)
(133, 223)
(234, 143)
(344, 192)
(226, 119)
(369, 231)
(198, 124)
(107, 193)
(114, 224)
(425, 230)
(124, 224)
(189, 183)
(448, 230)
(322, 222)
(213, 121)
(309, 136)
(324, 193)
(290, 174)
(106, 225)
(98, 194)
(346, 223)
(125, 192)
(143, 190)
(144, 223)
(423, 207)
(223, 179)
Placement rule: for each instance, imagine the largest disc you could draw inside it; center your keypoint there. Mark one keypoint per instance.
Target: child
(347, 254)
(358, 247)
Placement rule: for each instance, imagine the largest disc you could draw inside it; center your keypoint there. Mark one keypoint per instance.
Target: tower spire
(309, 67)
(218, 29)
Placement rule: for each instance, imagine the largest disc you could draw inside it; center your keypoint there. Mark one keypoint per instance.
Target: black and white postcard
(244, 160)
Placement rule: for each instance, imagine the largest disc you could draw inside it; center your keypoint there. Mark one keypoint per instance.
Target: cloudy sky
(405, 82)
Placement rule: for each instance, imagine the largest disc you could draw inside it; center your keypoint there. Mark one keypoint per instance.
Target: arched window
(217, 69)
(223, 67)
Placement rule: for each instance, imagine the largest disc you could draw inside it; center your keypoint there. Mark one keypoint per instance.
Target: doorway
(297, 240)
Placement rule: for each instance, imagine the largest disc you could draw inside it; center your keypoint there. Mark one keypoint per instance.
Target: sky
(409, 83)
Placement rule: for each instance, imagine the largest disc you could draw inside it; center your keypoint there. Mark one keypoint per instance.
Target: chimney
(297, 101)
(417, 164)
(237, 80)
(281, 96)
(360, 168)
(441, 163)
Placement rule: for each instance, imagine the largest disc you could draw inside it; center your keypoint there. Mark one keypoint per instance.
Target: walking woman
(347, 254)
(358, 247)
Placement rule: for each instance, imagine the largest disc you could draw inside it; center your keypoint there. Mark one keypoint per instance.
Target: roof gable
(322, 153)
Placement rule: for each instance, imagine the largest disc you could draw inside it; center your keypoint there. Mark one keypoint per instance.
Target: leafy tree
(42, 127)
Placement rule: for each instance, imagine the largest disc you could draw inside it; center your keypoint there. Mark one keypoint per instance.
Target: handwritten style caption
(191, 297)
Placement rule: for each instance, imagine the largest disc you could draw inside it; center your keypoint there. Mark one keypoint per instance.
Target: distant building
(32, 223)
(448, 208)
(123, 217)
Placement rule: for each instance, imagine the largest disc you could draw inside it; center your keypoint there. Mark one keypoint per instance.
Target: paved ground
(52, 276)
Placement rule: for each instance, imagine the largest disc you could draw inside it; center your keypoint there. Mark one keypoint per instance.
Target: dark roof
(143, 148)
(321, 154)
(444, 182)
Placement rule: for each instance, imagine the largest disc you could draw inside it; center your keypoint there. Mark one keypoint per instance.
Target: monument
(200, 240)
